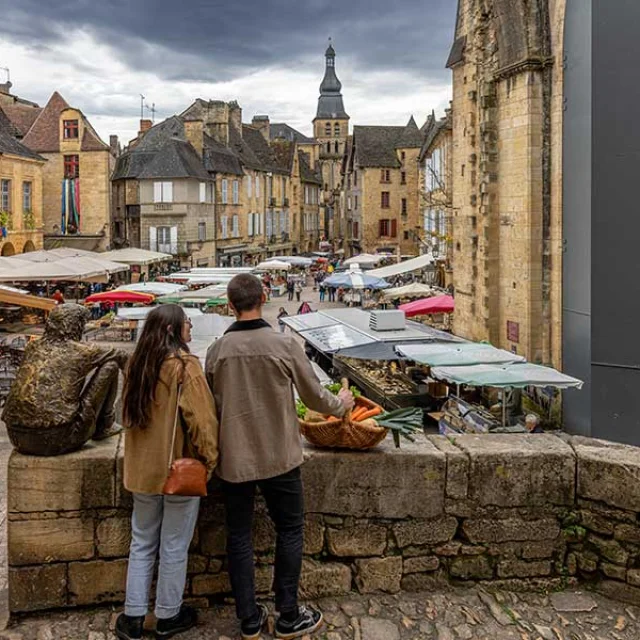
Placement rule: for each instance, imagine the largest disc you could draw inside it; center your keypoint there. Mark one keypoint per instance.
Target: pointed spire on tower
(330, 101)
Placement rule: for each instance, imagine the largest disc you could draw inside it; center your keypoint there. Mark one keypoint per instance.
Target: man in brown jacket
(252, 371)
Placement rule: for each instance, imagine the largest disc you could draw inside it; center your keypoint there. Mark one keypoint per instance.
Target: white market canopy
(135, 256)
(460, 354)
(75, 269)
(296, 261)
(140, 313)
(52, 255)
(273, 265)
(365, 259)
(155, 288)
(506, 376)
(413, 290)
(197, 296)
(403, 267)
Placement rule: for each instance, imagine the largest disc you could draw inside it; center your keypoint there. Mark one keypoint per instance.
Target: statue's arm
(97, 355)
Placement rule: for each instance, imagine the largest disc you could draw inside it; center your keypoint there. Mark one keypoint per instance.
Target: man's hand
(346, 397)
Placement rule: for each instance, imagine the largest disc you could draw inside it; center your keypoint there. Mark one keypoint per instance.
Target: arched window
(337, 147)
(328, 147)
(327, 129)
(336, 129)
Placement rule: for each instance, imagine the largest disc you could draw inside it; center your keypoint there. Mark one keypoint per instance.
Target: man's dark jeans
(283, 495)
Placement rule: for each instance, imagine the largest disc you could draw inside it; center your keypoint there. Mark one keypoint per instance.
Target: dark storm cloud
(214, 40)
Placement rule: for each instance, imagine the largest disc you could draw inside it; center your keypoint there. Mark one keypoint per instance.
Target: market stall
(343, 342)
(428, 306)
(413, 290)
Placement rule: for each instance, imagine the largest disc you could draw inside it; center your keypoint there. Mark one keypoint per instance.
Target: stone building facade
(241, 212)
(381, 189)
(76, 189)
(436, 192)
(507, 144)
(21, 193)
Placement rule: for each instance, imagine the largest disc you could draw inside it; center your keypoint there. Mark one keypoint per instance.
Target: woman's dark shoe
(308, 621)
(252, 628)
(186, 619)
(129, 627)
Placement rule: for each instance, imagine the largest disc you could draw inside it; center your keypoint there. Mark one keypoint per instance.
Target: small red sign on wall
(513, 331)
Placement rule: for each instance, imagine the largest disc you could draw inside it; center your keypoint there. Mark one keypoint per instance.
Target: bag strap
(175, 423)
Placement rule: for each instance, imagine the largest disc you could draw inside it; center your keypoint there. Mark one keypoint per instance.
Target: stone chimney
(217, 121)
(194, 132)
(5, 87)
(145, 125)
(114, 145)
(235, 116)
(262, 124)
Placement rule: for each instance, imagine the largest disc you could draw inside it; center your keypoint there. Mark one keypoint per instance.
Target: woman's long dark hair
(161, 337)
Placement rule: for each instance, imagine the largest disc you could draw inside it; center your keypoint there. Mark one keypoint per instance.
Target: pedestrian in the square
(290, 289)
(261, 447)
(298, 290)
(282, 314)
(164, 388)
(323, 291)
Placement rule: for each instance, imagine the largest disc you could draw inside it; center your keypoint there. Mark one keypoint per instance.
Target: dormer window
(70, 129)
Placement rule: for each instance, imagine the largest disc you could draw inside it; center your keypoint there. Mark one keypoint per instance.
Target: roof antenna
(141, 107)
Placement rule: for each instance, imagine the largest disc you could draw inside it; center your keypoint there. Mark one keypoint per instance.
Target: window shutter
(236, 226)
(257, 186)
(250, 225)
(167, 191)
(235, 192)
(153, 239)
(249, 186)
(394, 228)
(224, 192)
(157, 191)
(203, 192)
(174, 239)
(381, 228)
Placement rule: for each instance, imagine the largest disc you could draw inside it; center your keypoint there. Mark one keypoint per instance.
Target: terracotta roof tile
(91, 141)
(44, 135)
(21, 117)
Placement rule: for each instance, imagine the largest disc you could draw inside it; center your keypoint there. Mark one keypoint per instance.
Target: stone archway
(8, 249)
(28, 247)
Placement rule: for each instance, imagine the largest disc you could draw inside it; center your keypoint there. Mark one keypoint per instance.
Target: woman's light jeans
(161, 524)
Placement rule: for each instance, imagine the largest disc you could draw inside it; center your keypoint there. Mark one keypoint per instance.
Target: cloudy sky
(267, 54)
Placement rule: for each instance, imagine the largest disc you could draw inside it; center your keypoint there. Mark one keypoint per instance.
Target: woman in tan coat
(162, 376)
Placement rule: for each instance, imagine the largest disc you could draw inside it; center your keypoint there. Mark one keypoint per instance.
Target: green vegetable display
(402, 422)
(334, 387)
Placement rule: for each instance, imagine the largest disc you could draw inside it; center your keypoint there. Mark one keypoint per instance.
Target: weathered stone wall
(521, 510)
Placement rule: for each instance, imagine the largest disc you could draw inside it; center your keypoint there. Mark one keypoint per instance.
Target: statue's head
(66, 322)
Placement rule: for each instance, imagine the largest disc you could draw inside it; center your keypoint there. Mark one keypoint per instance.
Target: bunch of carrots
(364, 413)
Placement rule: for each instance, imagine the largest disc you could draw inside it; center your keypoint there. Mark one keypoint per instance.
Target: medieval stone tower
(331, 129)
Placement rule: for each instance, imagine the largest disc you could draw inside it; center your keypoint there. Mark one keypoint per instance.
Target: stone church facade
(507, 186)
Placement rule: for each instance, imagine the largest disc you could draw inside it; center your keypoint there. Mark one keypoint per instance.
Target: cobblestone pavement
(458, 614)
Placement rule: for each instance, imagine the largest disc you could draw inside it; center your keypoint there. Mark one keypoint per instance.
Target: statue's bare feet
(103, 434)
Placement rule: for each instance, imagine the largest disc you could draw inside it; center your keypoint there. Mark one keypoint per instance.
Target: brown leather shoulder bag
(187, 476)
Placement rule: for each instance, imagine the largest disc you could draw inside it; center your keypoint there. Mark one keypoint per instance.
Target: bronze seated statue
(65, 389)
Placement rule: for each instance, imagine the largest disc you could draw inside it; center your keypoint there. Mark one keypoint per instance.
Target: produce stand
(343, 342)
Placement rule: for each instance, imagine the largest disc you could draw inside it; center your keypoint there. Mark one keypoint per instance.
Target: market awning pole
(504, 407)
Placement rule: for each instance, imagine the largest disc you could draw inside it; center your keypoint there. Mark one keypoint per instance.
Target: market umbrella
(121, 296)
(154, 288)
(364, 259)
(458, 354)
(355, 279)
(437, 304)
(413, 290)
(273, 265)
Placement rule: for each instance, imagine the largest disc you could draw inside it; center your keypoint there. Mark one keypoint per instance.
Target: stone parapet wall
(523, 511)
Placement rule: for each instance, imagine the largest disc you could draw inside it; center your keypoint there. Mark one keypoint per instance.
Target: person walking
(166, 401)
(261, 447)
(281, 314)
(323, 290)
(298, 290)
(290, 289)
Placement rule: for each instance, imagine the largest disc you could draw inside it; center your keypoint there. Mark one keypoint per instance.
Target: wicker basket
(343, 433)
